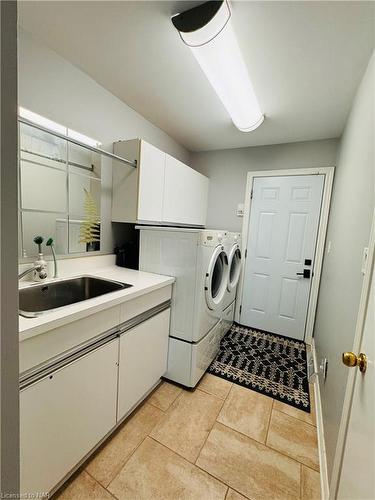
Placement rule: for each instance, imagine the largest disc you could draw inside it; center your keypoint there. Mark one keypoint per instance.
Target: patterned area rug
(270, 364)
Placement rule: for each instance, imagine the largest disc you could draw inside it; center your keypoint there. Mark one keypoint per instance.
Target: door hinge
(251, 194)
(245, 253)
(240, 309)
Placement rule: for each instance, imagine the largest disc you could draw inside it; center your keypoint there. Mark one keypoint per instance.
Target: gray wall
(9, 393)
(227, 171)
(54, 88)
(348, 230)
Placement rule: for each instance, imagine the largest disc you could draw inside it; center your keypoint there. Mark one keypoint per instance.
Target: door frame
(350, 385)
(9, 339)
(328, 172)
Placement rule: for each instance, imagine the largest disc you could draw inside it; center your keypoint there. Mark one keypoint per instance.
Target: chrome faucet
(39, 267)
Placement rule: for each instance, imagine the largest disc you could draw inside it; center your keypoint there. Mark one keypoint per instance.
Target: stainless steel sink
(45, 297)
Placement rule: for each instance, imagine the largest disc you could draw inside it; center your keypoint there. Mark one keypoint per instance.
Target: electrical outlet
(310, 366)
(324, 368)
(364, 260)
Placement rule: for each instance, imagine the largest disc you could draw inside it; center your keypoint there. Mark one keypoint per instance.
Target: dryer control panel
(212, 238)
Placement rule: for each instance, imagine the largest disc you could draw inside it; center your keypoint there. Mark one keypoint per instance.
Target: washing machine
(198, 261)
(232, 247)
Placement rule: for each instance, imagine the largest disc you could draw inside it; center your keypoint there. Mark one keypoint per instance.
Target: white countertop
(101, 267)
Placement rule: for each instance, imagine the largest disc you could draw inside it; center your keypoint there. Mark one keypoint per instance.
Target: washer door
(216, 278)
(235, 264)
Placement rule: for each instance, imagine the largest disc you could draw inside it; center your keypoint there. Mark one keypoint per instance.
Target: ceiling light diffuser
(56, 127)
(41, 120)
(208, 31)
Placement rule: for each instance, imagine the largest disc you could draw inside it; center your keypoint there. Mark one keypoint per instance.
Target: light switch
(240, 210)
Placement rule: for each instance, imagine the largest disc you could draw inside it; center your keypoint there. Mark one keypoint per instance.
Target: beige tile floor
(219, 441)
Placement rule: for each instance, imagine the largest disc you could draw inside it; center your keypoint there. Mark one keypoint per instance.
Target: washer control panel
(212, 238)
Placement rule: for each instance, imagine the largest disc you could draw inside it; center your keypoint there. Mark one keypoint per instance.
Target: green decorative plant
(90, 227)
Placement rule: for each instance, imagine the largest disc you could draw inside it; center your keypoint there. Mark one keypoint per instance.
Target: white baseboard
(324, 484)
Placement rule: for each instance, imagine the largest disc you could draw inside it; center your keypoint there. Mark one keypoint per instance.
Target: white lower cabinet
(64, 415)
(143, 360)
(68, 410)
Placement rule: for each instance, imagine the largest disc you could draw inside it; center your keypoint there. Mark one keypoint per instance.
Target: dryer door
(216, 278)
(235, 264)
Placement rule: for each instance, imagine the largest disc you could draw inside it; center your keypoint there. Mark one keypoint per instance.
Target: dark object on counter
(126, 239)
(127, 256)
(120, 257)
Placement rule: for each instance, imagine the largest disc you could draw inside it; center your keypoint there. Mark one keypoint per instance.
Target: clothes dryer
(232, 247)
(198, 261)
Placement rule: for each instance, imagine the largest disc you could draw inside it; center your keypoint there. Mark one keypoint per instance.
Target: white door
(283, 229)
(357, 481)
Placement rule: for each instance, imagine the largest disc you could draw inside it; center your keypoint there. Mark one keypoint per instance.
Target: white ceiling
(306, 59)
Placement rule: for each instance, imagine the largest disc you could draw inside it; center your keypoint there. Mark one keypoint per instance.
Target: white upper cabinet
(151, 183)
(138, 192)
(160, 190)
(185, 194)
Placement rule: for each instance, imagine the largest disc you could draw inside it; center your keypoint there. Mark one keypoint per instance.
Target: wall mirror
(60, 188)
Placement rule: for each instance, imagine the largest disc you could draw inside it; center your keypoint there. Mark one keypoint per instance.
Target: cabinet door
(143, 360)
(151, 183)
(64, 415)
(185, 194)
(125, 182)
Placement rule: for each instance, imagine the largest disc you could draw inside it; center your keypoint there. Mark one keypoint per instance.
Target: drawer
(38, 349)
(145, 302)
(205, 351)
(227, 318)
(188, 362)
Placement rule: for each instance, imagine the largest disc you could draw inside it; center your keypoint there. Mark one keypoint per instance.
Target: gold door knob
(350, 359)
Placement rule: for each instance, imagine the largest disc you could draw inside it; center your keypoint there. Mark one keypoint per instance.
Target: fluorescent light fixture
(208, 31)
(83, 138)
(41, 120)
(56, 127)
